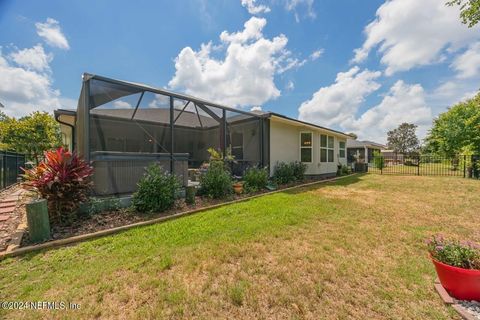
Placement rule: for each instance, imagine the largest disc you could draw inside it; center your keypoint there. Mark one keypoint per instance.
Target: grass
(350, 249)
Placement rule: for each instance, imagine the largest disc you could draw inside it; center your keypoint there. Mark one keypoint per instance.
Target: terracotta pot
(462, 284)
(238, 188)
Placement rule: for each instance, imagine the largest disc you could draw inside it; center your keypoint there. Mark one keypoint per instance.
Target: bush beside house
(285, 173)
(156, 190)
(216, 182)
(256, 179)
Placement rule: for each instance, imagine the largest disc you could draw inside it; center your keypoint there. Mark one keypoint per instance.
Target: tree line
(456, 131)
(31, 135)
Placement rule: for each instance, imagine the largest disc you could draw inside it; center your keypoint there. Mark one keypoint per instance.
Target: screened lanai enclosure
(123, 127)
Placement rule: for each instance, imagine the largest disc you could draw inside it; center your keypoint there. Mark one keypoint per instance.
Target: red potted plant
(458, 266)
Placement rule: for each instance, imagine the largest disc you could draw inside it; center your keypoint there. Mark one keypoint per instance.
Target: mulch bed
(111, 219)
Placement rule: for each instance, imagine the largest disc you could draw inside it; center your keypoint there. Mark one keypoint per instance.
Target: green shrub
(378, 160)
(156, 190)
(298, 169)
(255, 179)
(455, 253)
(216, 182)
(284, 173)
(343, 170)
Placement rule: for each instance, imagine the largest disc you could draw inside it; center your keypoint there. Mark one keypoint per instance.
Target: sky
(355, 66)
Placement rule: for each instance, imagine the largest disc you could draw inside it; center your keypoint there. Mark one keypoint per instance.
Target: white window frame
(340, 149)
(327, 148)
(300, 144)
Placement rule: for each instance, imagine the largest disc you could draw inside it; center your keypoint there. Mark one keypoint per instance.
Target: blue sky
(356, 66)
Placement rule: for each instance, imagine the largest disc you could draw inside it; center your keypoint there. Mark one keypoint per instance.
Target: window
(341, 149)
(306, 147)
(326, 148)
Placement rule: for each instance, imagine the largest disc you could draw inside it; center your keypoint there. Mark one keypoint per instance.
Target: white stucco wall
(285, 146)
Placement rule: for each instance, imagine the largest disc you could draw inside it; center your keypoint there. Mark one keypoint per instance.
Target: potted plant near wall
(238, 187)
(457, 265)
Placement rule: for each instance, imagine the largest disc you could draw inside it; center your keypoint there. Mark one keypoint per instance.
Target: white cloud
(449, 93)
(403, 103)
(337, 104)
(244, 76)
(255, 9)
(159, 101)
(51, 32)
(467, 65)
(412, 33)
(24, 90)
(307, 5)
(120, 104)
(316, 54)
(32, 58)
(256, 108)
(252, 31)
(290, 86)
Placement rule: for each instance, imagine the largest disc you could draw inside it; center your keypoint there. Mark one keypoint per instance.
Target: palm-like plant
(63, 179)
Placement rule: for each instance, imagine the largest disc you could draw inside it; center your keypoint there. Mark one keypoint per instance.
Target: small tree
(32, 134)
(404, 138)
(378, 160)
(456, 129)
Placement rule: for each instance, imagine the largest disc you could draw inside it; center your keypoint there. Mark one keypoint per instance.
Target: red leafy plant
(461, 254)
(63, 179)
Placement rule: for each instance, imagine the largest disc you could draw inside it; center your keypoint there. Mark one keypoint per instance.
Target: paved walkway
(9, 219)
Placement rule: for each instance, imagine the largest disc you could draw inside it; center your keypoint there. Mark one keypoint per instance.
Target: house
(121, 127)
(363, 150)
(391, 157)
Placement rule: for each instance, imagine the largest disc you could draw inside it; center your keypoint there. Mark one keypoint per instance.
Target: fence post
(418, 165)
(464, 166)
(4, 169)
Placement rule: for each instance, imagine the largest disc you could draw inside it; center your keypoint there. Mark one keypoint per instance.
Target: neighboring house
(121, 127)
(364, 150)
(391, 157)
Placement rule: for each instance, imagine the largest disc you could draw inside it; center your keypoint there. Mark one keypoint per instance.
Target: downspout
(68, 125)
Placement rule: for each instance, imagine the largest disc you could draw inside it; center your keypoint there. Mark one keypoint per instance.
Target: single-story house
(121, 127)
(362, 150)
(392, 157)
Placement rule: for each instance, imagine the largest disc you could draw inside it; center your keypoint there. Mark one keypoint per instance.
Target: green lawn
(351, 249)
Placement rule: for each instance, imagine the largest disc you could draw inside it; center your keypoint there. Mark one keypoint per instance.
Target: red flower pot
(462, 284)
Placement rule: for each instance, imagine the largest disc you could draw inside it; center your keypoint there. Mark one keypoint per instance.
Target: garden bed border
(101, 233)
(448, 300)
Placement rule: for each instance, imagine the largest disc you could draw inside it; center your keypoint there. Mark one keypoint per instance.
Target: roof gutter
(316, 127)
(57, 114)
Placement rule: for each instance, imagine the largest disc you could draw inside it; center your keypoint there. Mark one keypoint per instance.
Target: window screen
(306, 147)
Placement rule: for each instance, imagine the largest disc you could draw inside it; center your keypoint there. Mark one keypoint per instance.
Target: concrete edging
(101, 233)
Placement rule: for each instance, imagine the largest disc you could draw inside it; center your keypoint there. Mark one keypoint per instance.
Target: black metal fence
(466, 166)
(10, 167)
